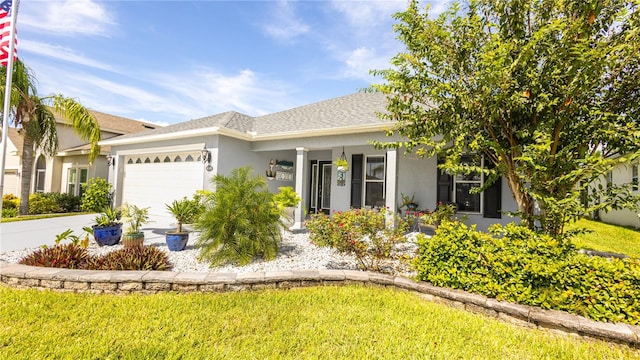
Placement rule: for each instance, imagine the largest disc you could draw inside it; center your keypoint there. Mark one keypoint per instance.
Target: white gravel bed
(296, 252)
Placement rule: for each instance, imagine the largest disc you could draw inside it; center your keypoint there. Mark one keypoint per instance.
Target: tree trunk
(524, 202)
(26, 173)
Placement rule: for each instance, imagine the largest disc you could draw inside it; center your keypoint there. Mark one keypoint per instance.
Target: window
(41, 169)
(463, 184)
(76, 178)
(374, 181)
(634, 177)
(609, 180)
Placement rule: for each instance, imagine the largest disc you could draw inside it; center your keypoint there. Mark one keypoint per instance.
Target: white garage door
(153, 181)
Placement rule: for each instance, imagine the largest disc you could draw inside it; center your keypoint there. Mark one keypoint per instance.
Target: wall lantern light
(205, 156)
(111, 160)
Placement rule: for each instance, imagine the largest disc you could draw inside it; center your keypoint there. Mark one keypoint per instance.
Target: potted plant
(341, 164)
(287, 199)
(134, 217)
(107, 229)
(409, 202)
(184, 211)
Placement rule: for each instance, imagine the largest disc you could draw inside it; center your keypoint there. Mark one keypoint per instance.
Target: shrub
(97, 195)
(69, 256)
(286, 197)
(515, 264)
(10, 201)
(43, 203)
(241, 222)
(67, 202)
(9, 213)
(361, 233)
(135, 258)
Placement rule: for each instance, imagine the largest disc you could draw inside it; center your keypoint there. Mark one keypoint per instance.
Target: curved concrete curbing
(149, 282)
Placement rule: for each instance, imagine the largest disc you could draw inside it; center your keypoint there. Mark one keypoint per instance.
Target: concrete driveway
(34, 233)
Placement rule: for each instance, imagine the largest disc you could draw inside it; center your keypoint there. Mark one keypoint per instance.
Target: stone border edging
(150, 282)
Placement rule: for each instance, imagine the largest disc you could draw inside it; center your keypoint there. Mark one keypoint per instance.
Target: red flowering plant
(361, 233)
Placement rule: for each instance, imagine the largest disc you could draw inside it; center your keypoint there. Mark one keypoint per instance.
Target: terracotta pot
(132, 240)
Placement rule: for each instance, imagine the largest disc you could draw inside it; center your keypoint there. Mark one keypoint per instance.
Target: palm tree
(35, 115)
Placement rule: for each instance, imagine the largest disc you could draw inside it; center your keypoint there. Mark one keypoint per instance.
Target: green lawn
(40, 216)
(609, 238)
(327, 322)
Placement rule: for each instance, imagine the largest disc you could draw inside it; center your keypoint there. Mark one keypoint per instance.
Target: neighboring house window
(467, 200)
(41, 169)
(75, 179)
(634, 177)
(609, 179)
(374, 181)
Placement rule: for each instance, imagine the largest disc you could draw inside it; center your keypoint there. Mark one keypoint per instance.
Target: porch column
(302, 178)
(392, 185)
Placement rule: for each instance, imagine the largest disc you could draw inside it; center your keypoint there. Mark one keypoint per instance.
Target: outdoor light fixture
(110, 160)
(205, 155)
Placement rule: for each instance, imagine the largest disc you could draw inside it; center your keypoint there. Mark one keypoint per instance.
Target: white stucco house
(69, 168)
(154, 167)
(620, 175)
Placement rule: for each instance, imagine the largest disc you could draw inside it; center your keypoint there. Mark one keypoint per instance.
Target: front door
(320, 186)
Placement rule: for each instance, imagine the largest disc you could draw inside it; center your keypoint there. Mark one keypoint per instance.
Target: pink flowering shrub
(361, 233)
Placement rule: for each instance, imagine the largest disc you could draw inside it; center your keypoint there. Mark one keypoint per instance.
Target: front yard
(326, 322)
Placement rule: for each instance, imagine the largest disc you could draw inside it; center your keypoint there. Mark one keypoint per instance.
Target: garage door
(155, 180)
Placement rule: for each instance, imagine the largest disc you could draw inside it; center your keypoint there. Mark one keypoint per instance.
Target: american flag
(5, 28)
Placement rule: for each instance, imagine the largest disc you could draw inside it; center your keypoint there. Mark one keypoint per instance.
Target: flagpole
(7, 94)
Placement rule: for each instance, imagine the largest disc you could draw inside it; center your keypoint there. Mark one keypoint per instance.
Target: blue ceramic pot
(177, 241)
(107, 235)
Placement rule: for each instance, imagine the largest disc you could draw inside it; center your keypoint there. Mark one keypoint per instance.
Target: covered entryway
(155, 180)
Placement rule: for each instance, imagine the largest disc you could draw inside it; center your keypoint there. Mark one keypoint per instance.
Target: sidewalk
(34, 233)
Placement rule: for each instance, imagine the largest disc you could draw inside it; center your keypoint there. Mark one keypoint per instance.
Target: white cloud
(61, 53)
(364, 15)
(68, 17)
(284, 24)
(210, 92)
(360, 61)
(169, 97)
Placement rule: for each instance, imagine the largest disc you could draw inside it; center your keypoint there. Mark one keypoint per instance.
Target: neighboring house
(157, 166)
(12, 162)
(69, 168)
(623, 174)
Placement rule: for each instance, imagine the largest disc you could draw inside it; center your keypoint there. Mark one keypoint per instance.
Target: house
(12, 162)
(623, 174)
(297, 148)
(69, 168)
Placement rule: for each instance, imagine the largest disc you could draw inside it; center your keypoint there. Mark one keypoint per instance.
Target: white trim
(158, 137)
(356, 129)
(162, 149)
(248, 136)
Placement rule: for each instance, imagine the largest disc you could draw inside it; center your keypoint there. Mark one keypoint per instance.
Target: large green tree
(36, 116)
(547, 91)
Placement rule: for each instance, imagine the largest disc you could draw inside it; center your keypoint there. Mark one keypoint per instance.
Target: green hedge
(515, 264)
(47, 203)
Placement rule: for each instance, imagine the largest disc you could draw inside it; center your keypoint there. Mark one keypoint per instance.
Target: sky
(171, 61)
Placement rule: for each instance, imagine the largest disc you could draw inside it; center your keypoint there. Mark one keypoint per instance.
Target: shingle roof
(117, 124)
(346, 111)
(349, 110)
(14, 136)
(230, 119)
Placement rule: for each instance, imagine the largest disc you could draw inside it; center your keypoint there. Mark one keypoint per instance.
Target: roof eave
(160, 137)
(355, 129)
